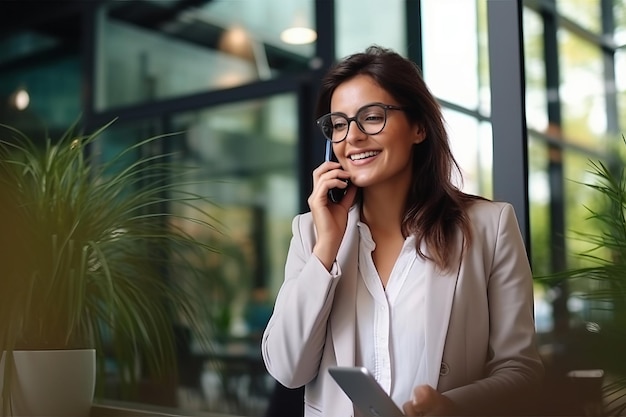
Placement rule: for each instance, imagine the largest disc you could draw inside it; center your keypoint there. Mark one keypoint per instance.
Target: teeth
(364, 155)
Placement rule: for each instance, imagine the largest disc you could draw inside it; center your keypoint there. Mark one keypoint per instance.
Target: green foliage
(85, 250)
(602, 279)
(607, 255)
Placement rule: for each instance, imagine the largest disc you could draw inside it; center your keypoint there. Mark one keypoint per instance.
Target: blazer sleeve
(293, 341)
(513, 368)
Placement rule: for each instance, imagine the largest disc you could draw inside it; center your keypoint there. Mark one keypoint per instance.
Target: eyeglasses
(370, 119)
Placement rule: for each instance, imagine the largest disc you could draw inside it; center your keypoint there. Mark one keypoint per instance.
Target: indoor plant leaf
(86, 247)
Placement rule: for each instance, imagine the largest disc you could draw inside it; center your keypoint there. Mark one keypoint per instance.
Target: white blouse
(390, 322)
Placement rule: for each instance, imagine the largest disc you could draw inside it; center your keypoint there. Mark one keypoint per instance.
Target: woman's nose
(354, 132)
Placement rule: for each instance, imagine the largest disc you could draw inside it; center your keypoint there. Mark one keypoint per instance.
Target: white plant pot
(51, 383)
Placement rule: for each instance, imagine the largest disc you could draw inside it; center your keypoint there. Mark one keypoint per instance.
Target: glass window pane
(361, 23)
(620, 82)
(25, 43)
(535, 73)
(451, 57)
(584, 12)
(244, 160)
(41, 79)
(247, 153)
(582, 91)
(619, 14)
(578, 199)
(42, 99)
(472, 147)
(541, 199)
(539, 195)
(156, 50)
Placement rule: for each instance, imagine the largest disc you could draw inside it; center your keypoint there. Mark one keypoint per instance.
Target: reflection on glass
(24, 43)
(53, 90)
(242, 158)
(156, 50)
(246, 159)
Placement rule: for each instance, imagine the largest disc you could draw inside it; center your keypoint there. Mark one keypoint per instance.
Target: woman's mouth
(363, 155)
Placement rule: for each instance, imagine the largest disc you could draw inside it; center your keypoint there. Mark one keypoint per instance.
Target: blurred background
(238, 78)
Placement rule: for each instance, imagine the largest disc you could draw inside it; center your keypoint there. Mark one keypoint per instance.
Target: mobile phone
(364, 392)
(335, 194)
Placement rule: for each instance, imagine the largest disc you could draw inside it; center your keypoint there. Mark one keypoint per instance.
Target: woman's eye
(373, 118)
(339, 125)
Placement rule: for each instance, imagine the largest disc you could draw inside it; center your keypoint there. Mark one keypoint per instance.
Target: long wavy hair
(436, 208)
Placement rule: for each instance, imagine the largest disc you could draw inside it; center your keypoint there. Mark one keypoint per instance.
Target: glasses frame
(354, 119)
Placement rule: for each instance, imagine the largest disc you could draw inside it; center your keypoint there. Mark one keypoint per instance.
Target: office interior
(531, 90)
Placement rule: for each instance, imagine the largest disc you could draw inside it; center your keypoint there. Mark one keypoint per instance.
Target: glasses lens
(334, 127)
(371, 119)
(326, 126)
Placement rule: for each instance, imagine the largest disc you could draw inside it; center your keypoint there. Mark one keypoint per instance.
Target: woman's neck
(383, 210)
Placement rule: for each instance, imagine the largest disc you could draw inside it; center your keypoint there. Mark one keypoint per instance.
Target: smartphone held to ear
(335, 194)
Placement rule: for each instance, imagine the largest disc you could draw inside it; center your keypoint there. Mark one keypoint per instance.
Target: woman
(427, 287)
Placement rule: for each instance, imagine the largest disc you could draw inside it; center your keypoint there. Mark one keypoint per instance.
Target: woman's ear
(420, 134)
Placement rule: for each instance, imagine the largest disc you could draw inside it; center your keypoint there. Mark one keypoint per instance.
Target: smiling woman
(403, 244)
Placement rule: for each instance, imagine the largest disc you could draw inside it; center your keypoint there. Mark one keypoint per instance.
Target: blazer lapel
(343, 316)
(440, 289)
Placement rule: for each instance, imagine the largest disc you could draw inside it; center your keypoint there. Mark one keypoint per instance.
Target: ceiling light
(20, 99)
(298, 35)
(236, 41)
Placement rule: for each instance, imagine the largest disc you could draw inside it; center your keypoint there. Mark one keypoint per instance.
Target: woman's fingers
(427, 401)
(421, 402)
(330, 218)
(327, 176)
(325, 168)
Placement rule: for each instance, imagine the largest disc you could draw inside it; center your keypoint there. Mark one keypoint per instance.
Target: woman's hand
(427, 401)
(330, 218)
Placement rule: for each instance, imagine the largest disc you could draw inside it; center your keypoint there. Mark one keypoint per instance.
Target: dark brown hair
(436, 208)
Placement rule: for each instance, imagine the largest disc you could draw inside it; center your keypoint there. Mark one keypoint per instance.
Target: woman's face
(383, 159)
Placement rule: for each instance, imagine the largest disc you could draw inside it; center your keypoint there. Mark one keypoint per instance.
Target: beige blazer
(480, 333)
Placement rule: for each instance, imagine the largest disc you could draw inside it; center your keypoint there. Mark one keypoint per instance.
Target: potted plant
(84, 251)
(601, 283)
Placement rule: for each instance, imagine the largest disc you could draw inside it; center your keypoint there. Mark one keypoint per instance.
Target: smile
(363, 155)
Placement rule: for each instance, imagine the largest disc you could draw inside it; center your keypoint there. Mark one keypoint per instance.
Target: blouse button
(444, 370)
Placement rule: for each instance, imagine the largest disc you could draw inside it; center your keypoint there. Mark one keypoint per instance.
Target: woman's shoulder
(302, 221)
(305, 217)
(481, 208)
(480, 204)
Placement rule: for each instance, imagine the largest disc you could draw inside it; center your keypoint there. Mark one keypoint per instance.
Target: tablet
(366, 394)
